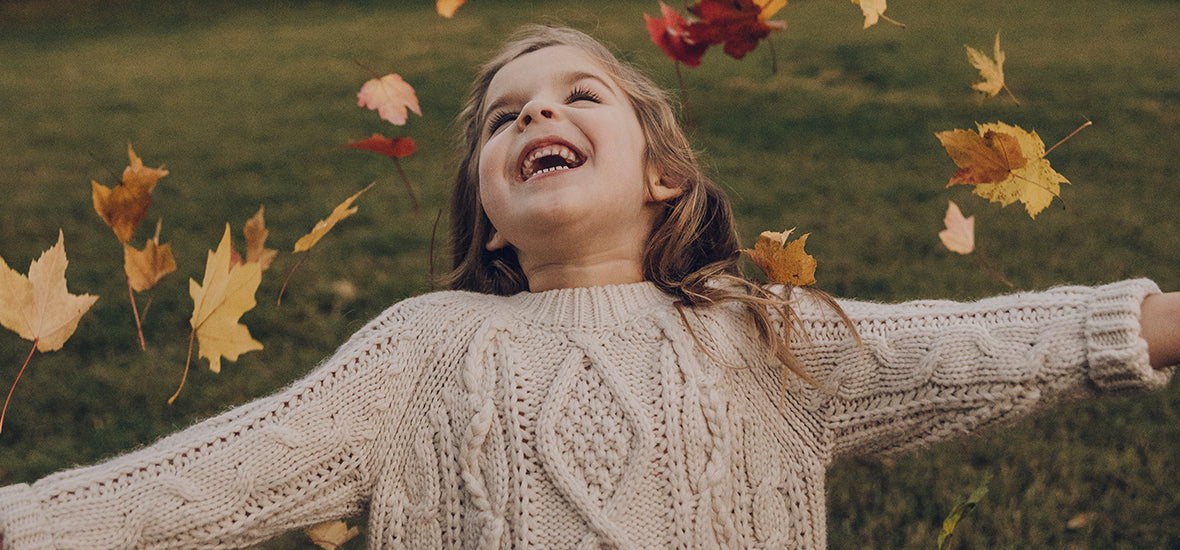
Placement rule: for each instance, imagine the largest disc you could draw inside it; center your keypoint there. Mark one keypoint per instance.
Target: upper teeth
(529, 168)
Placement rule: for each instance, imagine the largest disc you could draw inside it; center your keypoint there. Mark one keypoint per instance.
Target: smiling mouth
(550, 158)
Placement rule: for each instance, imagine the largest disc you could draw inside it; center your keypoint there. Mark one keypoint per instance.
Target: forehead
(559, 64)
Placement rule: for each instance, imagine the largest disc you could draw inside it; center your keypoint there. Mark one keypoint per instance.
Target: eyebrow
(567, 79)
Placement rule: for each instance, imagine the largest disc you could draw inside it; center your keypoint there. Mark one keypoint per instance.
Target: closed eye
(583, 94)
(500, 119)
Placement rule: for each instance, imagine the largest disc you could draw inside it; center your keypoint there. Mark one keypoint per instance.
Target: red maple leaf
(393, 148)
(671, 35)
(736, 23)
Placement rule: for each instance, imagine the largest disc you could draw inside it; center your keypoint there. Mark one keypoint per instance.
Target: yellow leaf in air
(125, 205)
(146, 267)
(781, 262)
(959, 235)
(874, 10)
(38, 307)
(344, 210)
(447, 8)
(219, 301)
(1005, 163)
(256, 233)
(991, 69)
(769, 8)
(330, 535)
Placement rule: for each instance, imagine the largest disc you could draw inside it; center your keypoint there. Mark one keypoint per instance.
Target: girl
(602, 376)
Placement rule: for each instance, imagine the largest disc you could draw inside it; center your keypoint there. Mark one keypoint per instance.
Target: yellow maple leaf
(256, 233)
(343, 210)
(124, 206)
(447, 8)
(219, 301)
(39, 307)
(145, 268)
(991, 70)
(874, 10)
(330, 535)
(1005, 163)
(959, 235)
(769, 8)
(781, 262)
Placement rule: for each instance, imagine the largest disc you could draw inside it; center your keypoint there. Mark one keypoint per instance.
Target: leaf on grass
(256, 233)
(393, 148)
(390, 96)
(873, 11)
(330, 535)
(781, 262)
(343, 210)
(957, 513)
(124, 206)
(447, 8)
(38, 307)
(959, 235)
(670, 33)
(991, 69)
(1005, 164)
(226, 292)
(146, 267)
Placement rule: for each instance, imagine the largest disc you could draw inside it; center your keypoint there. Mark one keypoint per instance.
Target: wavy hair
(693, 250)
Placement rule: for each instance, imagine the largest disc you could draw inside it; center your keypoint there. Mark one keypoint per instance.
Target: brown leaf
(146, 267)
(256, 234)
(447, 8)
(783, 263)
(330, 535)
(1005, 163)
(124, 206)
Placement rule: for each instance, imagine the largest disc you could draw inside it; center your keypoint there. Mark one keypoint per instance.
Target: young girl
(601, 376)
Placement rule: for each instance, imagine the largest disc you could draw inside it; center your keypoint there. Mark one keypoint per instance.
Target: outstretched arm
(1160, 325)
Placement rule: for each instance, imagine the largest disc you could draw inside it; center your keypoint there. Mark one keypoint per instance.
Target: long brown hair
(693, 250)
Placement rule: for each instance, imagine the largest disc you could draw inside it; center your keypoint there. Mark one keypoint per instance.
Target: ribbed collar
(590, 307)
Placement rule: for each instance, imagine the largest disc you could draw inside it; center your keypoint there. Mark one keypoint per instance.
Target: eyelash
(577, 94)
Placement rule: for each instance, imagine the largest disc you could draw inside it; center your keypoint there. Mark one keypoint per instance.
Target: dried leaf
(671, 34)
(39, 308)
(738, 24)
(873, 11)
(393, 148)
(991, 69)
(952, 520)
(219, 301)
(781, 262)
(256, 233)
(145, 268)
(1005, 163)
(390, 96)
(124, 206)
(344, 210)
(330, 535)
(447, 8)
(959, 235)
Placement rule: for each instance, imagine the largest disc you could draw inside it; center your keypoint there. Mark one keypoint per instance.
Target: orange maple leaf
(1005, 163)
(343, 210)
(145, 268)
(256, 233)
(447, 8)
(959, 235)
(330, 535)
(390, 96)
(783, 263)
(124, 206)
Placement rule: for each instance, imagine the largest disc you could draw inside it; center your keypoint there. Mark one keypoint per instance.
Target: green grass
(250, 105)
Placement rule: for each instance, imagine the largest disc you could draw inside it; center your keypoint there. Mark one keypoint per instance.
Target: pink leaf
(390, 96)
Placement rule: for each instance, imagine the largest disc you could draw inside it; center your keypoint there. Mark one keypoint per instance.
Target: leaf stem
(284, 287)
(433, 233)
(683, 97)
(135, 312)
(1064, 139)
(409, 188)
(13, 388)
(187, 359)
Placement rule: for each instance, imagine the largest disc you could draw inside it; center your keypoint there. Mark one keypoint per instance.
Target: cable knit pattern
(590, 418)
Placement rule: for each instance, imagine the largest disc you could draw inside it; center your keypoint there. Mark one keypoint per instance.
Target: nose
(534, 111)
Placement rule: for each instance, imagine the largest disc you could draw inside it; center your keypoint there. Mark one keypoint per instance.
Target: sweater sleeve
(932, 370)
(301, 456)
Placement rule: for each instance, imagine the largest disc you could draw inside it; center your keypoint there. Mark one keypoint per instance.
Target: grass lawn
(249, 105)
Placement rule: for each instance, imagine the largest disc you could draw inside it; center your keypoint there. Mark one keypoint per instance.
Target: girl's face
(561, 167)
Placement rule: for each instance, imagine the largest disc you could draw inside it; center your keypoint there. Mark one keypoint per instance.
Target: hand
(1160, 325)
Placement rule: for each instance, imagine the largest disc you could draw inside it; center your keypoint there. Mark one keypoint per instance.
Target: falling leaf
(256, 233)
(959, 235)
(330, 535)
(219, 301)
(1005, 163)
(769, 7)
(146, 267)
(394, 148)
(671, 34)
(738, 24)
(874, 10)
(38, 307)
(344, 210)
(390, 96)
(447, 8)
(781, 262)
(952, 520)
(990, 69)
(124, 206)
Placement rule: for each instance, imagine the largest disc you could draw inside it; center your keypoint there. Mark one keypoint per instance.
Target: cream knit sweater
(589, 418)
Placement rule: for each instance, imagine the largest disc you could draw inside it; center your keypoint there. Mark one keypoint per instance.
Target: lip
(538, 143)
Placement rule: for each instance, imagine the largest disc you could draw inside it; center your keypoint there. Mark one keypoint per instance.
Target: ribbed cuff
(1117, 352)
(20, 520)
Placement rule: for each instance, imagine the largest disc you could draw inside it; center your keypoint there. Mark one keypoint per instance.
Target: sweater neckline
(589, 307)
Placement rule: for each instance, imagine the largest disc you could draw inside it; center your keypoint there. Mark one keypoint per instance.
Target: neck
(584, 272)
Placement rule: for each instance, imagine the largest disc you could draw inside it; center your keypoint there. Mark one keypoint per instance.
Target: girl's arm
(1160, 322)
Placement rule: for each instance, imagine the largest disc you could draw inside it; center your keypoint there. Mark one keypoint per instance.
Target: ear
(496, 242)
(658, 191)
